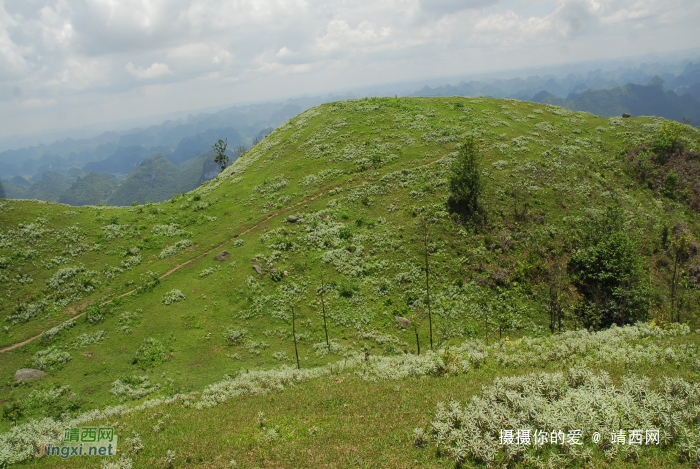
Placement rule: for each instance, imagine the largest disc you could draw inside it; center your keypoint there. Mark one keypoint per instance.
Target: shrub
(84, 340)
(580, 400)
(133, 387)
(607, 271)
(234, 336)
(671, 184)
(466, 187)
(173, 296)
(152, 352)
(207, 272)
(94, 313)
(49, 335)
(50, 359)
(175, 248)
(667, 140)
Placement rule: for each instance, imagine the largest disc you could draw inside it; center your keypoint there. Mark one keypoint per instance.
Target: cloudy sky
(73, 62)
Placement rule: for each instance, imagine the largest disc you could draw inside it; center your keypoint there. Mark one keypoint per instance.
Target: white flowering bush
(50, 359)
(113, 231)
(83, 340)
(280, 356)
(235, 336)
(128, 319)
(255, 347)
(49, 335)
(166, 230)
(68, 284)
(578, 400)
(208, 271)
(173, 296)
(26, 311)
(333, 347)
(133, 387)
(175, 248)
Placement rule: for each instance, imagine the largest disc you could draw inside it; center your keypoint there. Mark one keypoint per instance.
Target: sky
(67, 63)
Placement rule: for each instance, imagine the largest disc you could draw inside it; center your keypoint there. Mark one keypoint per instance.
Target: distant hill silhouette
(124, 160)
(155, 179)
(49, 187)
(194, 145)
(637, 100)
(92, 189)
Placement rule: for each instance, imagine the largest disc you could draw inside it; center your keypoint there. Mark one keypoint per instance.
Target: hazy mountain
(637, 100)
(49, 187)
(92, 189)
(195, 145)
(155, 179)
(124, 160)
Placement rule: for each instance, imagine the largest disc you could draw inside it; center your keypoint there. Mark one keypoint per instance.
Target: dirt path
(178, 266)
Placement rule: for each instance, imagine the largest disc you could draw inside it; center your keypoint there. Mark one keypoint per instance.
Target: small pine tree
(221, 159)
(466, 186)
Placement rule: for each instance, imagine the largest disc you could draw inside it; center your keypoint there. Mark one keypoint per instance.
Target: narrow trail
(178, 266)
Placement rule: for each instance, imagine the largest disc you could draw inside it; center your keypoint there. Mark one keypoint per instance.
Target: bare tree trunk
(427, 278)
(673, 287)
(415, 329)
(294, 334)
(323, 306)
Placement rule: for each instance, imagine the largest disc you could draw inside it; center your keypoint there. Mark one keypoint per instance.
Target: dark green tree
(221, 158)
(466, 186)
(608, 272)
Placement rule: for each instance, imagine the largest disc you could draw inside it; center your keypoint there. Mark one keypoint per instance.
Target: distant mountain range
(181, 140)
(687, 81)
(159, 161)
(636, 100)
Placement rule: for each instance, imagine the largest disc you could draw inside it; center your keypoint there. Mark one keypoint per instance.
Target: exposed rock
(255, 259)
(72, 396)
(257, 268)
(403, 322)
(292, 219)
(624, 114)
(222, 256)
(286, 274)
(26, 374)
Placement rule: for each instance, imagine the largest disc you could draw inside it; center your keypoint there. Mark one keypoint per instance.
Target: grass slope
(356, 174)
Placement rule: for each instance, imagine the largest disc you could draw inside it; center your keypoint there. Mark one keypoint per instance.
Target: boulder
(624, 114)
(25, 374)
(403, 322)
(257, 268)
(73, 396)
(222, 256)
(292, 219)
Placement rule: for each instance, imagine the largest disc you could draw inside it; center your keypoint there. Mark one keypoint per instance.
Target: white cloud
(38, 102)
(248, 49)
(155, 70)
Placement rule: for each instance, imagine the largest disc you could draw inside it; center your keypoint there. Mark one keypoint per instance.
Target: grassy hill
(132, 308)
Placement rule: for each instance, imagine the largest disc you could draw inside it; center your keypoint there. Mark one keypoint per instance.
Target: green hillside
(589, 221)
(155, 179)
